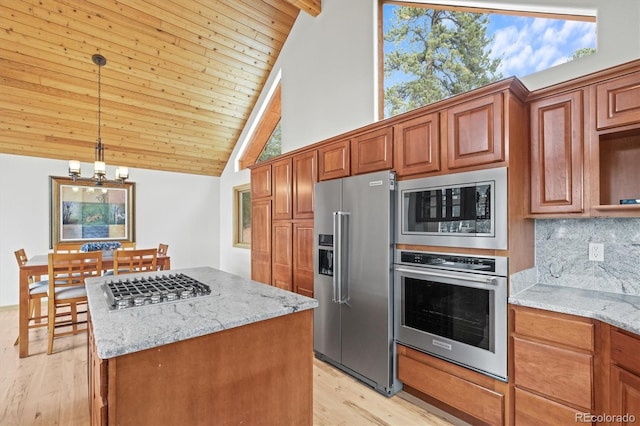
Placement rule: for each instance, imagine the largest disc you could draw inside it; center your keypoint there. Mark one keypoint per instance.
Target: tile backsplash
(562, 254)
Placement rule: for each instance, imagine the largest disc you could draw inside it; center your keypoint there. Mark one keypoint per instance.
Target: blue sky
(527, 45)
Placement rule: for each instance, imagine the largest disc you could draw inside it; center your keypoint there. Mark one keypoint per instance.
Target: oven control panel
(460, 262)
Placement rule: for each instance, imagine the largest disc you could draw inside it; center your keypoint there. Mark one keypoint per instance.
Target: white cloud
(528, 45)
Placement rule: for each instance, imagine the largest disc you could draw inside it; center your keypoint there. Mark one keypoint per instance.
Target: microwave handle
(485, 280)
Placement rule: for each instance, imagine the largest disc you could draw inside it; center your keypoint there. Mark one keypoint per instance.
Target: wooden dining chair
(37, 291)
(67, 248)
(138, 260)
(67, 291)
(163, 249)
(128, 245)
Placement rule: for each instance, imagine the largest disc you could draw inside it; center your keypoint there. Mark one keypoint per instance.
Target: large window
(434, 52)
(242, 216)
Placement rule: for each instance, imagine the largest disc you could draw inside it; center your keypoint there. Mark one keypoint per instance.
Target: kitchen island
(240, 355)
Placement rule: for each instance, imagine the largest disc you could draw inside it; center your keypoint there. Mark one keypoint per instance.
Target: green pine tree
(442, 52)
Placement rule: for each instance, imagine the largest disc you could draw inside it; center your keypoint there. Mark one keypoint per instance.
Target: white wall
(329, 77)
(181, 210)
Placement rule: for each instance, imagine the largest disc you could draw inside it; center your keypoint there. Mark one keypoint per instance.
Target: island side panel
(260, 373)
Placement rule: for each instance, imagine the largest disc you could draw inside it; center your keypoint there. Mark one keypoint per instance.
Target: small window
(273, 147)
(242, 216)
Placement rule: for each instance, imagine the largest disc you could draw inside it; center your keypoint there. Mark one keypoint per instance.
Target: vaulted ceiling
(181, 77)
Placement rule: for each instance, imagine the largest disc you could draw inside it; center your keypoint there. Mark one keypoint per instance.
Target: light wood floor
(52, 390)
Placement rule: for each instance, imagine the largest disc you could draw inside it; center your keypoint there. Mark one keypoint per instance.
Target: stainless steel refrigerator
(353, 324)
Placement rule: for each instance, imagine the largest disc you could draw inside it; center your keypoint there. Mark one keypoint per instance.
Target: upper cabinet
(305, 175)
(585, 146)
(282, 187)
(417, 145)
(618, 101)
(557, 153)
(261, 181)
(372, 151)
(474, 132)
(333, 160)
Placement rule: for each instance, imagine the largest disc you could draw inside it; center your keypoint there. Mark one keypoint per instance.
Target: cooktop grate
(139, 291)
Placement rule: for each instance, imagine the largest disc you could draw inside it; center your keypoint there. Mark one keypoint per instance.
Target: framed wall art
(82, 211)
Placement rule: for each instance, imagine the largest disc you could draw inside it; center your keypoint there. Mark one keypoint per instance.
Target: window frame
(237, 218)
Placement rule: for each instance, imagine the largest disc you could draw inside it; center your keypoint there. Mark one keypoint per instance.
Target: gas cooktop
(126, 293)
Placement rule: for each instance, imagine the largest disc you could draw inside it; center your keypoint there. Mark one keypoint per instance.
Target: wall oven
(453, 307)
(466, 209)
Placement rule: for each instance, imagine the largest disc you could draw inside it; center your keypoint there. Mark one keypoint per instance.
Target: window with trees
(434, 52)
(242, 216)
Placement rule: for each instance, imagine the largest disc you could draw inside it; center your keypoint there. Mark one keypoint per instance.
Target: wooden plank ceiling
(181, 77)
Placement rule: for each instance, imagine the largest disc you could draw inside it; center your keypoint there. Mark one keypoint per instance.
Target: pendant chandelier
(99, 166)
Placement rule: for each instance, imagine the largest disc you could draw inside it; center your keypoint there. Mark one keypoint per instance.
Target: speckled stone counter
(619, 310)
(234, 301)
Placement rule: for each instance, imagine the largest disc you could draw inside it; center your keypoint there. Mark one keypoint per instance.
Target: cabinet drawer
(558, 373)
(482, 403)
(535, 410)
(625, 351)
(555, 328)
(618, 101)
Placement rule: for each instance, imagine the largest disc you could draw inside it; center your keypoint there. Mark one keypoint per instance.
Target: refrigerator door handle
(341, 275)
(337, 258)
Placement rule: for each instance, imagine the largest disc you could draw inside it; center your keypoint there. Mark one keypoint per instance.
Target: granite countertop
(234, 301)
(617, 309)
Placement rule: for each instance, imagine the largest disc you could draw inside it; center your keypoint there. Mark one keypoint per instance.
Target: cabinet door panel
(261, 241)
(556, 328)
(417, 146)
(557, 154)
(474, 132)
(333, 160)
(559, 373)
(303, 258)
(305, 175)
(282, 189)
(261, 182)
(618, 101)
(282, 265)
(535, 410)
(372, 151)
(625, 396)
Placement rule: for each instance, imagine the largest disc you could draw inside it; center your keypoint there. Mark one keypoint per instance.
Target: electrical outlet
(596, 252)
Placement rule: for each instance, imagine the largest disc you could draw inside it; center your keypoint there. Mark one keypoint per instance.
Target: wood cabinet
(475, 132)
(557, 153)
(258, 373)
(585, 145)
(261, 240)
(281, 189)
(618, 101)
(372, 151)
(333, 160)
(625, 377)
(554, 366)
(282, 223)
(303, 257)
(261, 181)
(305, 175)
(471, 393)
(417, 145)
(282, 255)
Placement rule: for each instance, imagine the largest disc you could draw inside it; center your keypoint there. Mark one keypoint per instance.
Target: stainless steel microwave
(467, 209)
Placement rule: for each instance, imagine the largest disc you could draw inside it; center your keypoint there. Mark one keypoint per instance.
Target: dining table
(39, 265)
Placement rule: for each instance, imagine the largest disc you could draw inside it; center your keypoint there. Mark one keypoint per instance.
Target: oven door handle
(473, 278)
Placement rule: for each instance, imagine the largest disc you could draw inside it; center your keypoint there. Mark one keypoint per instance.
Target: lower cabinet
(292, 256)
(625, 378)
(554, 367)
(472, 394)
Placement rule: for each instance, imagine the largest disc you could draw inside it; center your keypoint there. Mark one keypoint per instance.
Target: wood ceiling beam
(312, 7)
